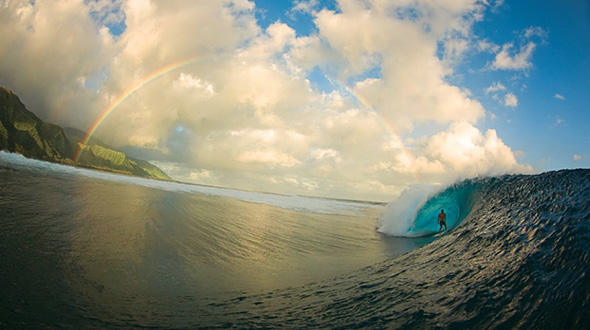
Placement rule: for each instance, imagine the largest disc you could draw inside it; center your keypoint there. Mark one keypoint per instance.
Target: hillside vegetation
(23, 132)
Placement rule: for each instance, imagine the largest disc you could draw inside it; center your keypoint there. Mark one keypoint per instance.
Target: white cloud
(304, 6)
(466, 151)
(511, 57)
(535, 31)
(508, 59)
(559, 121)
(495, 87)
(559, 97)
(269, 157)
(487, 46)
(196, 84)
(47, 49)
(200, 175)
(243, 112)
(108, 13)
(277, 37)
(406, 57)
(510, 100)
(497, 4)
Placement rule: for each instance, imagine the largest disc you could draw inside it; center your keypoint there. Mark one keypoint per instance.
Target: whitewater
(83, 249)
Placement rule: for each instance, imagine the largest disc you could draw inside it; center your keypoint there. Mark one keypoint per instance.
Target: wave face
(518, 258)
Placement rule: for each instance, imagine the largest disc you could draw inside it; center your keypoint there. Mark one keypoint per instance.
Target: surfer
(442, 220)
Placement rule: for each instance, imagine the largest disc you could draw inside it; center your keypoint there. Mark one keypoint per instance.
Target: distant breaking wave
(289, 202)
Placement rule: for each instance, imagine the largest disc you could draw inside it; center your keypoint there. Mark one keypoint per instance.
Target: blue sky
(549, 124)
(349, 98)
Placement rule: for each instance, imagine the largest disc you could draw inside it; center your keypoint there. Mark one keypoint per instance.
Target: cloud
(518, 57)
(50, 52)
(508, 59)
(495, 87)
(559, 121)
(577, 157)
(108, 13)
(497, 5)
(487, 46)
(463, 148)
(406, 58)
(510, 100)
(304, 6)
(242, 109)
(535, 31)
(559, 97)
(195, 84)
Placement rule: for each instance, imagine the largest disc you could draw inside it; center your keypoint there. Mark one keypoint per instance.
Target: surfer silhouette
(442, 220)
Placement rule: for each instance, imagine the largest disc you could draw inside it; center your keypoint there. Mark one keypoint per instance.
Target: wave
(415, 212)
(296, 203)
(518, 258)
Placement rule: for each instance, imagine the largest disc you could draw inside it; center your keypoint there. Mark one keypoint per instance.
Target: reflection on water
(90, 254)
(133, 239)
(101, 249)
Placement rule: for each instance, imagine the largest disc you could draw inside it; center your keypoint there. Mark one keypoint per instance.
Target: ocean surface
(82, 249)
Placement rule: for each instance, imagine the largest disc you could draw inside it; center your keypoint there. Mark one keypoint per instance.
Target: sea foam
(399, 215)
(296, 203)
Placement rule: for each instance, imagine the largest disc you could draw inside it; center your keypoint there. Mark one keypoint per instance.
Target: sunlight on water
(89, 252)
(289, 202)
(127, 235)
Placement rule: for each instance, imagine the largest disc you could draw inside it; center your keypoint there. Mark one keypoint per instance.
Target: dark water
(79, 251)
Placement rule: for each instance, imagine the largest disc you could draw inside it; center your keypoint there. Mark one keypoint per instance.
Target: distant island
(23, 132)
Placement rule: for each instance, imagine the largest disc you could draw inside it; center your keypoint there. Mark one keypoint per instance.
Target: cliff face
(23, 132)
(100, 157)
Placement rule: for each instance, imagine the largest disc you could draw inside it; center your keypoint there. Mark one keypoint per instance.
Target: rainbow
(365, 102)
(384, 122)
(128, 92)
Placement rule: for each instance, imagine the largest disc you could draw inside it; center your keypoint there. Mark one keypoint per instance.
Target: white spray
(399, 215)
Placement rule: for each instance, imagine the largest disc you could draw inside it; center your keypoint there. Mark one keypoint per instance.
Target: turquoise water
(456, 201)
(415, 213)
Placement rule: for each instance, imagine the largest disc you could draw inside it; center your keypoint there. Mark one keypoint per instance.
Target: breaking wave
(516, 256)
(415, 212)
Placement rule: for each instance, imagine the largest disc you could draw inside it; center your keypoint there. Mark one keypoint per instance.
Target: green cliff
(99, 155)
(23, 132)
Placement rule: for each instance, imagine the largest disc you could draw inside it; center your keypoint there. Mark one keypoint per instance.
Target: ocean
(83, 249)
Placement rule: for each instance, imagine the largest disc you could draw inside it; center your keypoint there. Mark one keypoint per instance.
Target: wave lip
(399, 215)
(415, 212)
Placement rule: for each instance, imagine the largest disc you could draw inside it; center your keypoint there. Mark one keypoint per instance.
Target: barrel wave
(518, 258)
(416, 212)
